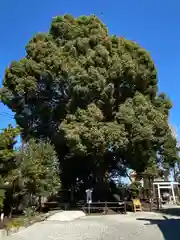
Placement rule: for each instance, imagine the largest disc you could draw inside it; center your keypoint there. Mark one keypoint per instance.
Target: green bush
(135, 189)
(29, 213)
(14, 223)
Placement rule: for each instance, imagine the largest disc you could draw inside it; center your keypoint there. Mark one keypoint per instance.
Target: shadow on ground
(170, 228)
(171, 211)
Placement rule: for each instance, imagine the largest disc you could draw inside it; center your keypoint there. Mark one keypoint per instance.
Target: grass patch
(14, 224)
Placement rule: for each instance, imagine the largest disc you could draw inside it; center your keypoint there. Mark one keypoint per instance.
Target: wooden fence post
(125, 206)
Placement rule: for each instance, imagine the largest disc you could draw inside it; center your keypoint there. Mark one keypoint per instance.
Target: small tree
(7, 164)
(39, 174)
(2, 194)
(135, 189)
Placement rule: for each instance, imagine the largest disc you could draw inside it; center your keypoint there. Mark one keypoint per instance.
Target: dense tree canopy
(95, 96)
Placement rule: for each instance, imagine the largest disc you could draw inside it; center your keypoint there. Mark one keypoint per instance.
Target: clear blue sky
(152, 23)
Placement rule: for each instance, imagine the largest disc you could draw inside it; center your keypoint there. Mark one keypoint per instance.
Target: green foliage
(170, 150)
(15, 223)
(87, 133)
(135, 189)
(38, 173)
(95, 96)
(29, 213)
(147, 130)
(7, 158)
(2, 196)
(7, 152)
(32, 172)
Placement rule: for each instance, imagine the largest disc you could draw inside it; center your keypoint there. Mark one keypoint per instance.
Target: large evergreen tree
(95, 96)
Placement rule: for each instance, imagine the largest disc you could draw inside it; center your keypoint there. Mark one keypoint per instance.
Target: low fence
(104, 207)
(150, 205)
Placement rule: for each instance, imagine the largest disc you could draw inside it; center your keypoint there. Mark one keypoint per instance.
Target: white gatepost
(159, 193)
(2, 217)
(172, 188)
(166, 185)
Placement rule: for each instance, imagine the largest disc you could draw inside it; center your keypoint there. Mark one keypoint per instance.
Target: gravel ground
(137, 226)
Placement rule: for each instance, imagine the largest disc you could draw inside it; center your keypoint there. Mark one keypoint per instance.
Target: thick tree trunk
(40, 204)
(102, 187)
(8, 202)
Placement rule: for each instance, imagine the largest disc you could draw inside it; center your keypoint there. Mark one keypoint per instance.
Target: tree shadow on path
(170, 228)
(171, 211)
